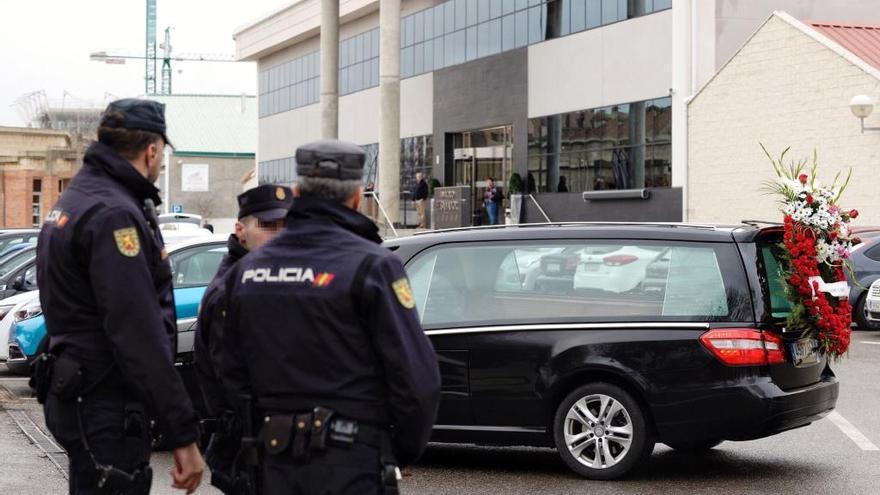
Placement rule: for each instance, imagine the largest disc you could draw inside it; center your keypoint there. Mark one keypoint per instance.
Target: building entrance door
(479, 155)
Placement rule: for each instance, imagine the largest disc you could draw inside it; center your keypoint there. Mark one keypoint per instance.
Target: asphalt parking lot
(837, 455)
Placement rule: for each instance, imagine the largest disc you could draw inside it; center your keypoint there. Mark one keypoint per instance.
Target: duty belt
(316, 431)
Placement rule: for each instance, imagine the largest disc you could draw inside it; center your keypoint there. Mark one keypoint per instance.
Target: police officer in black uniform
(106, 294)
(322, 331)
(261, 215)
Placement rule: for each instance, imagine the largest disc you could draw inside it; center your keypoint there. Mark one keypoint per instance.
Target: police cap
(267, 203)
(330, 159)
(137, 114)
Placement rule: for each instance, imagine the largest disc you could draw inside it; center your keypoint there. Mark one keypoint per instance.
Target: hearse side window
(558, 281)
(780, 307)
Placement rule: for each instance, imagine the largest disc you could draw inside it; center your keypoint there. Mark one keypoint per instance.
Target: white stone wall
(619, 63)
(783, 89)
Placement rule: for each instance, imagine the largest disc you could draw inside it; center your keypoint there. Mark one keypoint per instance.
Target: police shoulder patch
(127, 241)
(404, 293)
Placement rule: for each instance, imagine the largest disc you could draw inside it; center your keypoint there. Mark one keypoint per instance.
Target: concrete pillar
(637, 143)
(682, 89)
(389, 113)
(329, 69)
(554, 150)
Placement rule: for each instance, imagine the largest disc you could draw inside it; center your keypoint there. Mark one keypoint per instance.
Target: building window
(626, 146)
(63, 184)
(36, 203)
(290, 85)
(469, 29)
(280, 171)
(447, 34)
(359, 62)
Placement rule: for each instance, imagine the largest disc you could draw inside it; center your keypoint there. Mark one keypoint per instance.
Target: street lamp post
(862, 106)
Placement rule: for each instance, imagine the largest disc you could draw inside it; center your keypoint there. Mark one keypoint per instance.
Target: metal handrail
(539, 208)
(388, 222)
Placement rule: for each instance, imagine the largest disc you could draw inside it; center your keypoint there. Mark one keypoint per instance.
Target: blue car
(193, 265)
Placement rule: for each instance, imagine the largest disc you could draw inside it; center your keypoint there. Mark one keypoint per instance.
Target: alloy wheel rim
(598, 431)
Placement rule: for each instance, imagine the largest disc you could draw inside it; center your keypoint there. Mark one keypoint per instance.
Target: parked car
(12, 249)
(19, 274)
(872, 303)
(15, 254)
(865, 262)
(694, 357)
(17, 236)
(182, 227)
(193, 266)
(8, 309)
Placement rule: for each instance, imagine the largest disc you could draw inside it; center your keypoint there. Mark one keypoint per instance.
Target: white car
(619, 270)
(9, 307)
(872, 302)
(179, 233)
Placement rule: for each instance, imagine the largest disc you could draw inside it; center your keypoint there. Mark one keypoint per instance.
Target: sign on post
(177, 208)
(452, 207)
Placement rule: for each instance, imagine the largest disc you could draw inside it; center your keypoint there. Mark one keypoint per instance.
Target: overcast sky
(45, 45)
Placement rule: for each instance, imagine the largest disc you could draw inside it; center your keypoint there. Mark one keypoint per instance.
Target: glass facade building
(359, 62)
(290, 85)
(416, 154)
(625, 146)
(450, 33)
(459, 31)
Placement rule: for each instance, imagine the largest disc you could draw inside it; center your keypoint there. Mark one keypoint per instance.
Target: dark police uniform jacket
(209, 331)
(322, 315)
(105, 287)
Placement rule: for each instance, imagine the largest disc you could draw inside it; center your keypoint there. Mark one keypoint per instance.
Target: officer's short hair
(329, 189)
(128, 143)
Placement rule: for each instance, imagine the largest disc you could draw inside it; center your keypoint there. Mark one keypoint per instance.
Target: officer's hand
(188, 468)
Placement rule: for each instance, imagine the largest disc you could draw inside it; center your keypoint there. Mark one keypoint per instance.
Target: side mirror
(18, 284)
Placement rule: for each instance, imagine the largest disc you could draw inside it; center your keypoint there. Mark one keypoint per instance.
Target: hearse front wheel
(601, 432)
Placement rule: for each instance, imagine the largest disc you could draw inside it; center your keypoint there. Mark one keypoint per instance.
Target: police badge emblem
(404, 293)
(280, 194)
(127, 241)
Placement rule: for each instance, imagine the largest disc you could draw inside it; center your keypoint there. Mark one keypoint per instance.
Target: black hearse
(602, 339)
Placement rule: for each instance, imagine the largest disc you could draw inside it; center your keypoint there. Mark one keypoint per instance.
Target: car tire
(579, 431)
(859, 316)
(698, 447)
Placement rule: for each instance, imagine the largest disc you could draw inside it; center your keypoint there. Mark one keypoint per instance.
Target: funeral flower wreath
(816, 247)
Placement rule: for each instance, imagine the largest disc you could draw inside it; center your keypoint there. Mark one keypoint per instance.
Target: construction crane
(151, 59)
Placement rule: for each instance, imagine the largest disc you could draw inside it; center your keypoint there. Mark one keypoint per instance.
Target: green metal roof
(211, 124)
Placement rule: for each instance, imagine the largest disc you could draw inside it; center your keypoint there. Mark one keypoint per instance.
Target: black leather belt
(316, 431)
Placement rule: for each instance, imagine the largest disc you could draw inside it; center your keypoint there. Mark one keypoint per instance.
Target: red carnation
(854, 213)
(803, 178)
(809, 199)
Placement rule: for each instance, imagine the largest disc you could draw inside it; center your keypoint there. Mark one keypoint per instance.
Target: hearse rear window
(557, 281)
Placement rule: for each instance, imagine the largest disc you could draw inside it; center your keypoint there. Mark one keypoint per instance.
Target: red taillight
(619, 259)
(744, 346)
(775, 352)
(571, 263)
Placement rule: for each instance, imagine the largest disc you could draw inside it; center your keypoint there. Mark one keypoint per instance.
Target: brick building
(788, 86)
(36, 165)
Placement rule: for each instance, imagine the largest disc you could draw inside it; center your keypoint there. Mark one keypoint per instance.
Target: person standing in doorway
(420, 197)
(491, 201)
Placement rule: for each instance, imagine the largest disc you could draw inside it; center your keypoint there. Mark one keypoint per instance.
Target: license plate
(553, 267)
(591, 267)
(874, 304)
(804, 351)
